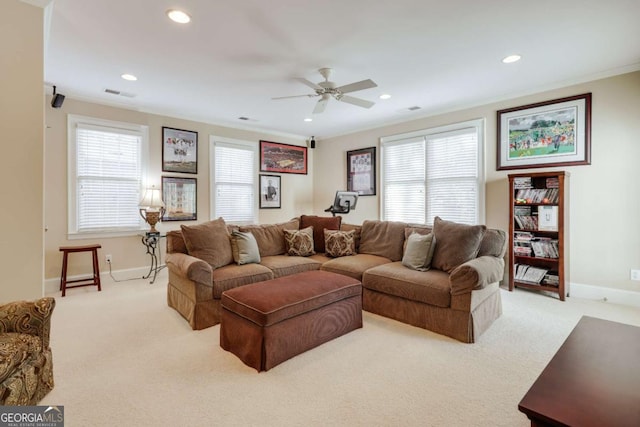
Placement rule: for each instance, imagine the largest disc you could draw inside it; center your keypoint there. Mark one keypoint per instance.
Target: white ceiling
(236, 55)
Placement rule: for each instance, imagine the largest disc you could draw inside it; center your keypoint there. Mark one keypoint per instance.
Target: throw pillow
(339, 243)
(319, 224)
(299, 242)
(419, 251)
(245, 248)
(457, 243)
(209, 241)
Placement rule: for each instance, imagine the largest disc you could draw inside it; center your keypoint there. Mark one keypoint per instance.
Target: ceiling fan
(327, 89)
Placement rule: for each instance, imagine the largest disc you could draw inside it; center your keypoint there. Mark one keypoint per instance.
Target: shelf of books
(538, 232)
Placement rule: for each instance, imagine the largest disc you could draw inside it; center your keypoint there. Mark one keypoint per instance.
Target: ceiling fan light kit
(327, 89)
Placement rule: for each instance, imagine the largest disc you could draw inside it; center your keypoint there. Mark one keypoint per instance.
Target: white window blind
(404, 181)
(234, 183)
(434, 172)
(105, 177)
(452, 176)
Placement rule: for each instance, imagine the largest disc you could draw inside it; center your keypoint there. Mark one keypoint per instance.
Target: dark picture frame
(544, 134)
(283, 158)
(180, 196)
(270, 191)
(179, 150)
(361, 171)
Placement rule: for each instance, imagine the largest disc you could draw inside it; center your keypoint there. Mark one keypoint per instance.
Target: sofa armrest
(476, 274)
(28, 317)
(190, 267)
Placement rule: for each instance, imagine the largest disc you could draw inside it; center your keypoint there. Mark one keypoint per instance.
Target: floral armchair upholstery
(26, 366)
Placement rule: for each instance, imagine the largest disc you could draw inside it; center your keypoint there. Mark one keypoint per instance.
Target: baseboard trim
(613, 295)
(52, 285)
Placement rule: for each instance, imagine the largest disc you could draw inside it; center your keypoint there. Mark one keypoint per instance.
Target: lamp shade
(152, 200)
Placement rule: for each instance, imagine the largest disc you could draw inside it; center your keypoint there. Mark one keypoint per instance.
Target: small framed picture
(361, 171)
(179, 150)
(270, 190)
(282, 158)
(180, 198)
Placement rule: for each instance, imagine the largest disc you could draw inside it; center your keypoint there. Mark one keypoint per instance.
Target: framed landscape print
(551, 133)
(179, 150)
(270, 191)
(361, 171)
(282, 158)
(180, 198)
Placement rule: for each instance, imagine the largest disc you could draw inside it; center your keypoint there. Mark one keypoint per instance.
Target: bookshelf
(538, 232)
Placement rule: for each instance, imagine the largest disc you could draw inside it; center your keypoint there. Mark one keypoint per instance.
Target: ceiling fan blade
(295, 96)
(320, 105)
(357, 101)
(364, 84)
(304, 81)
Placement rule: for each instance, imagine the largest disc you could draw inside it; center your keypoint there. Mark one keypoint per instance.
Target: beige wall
(128, 252)
(22, 125)
(605, 196)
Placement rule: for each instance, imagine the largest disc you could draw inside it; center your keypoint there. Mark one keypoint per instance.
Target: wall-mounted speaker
(312, 143)
(57, 100)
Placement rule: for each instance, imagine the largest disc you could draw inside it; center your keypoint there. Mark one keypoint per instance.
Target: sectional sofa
(444, 279)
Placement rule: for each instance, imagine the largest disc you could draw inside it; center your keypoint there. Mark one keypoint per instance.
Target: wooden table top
(593, 379)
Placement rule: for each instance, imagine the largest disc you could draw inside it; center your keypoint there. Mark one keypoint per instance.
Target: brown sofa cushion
(209, 241)
(319, 224)
(299, 242)
(270, 237)
(455, 243)
(383, 238)
(493, 243)
(339, 243)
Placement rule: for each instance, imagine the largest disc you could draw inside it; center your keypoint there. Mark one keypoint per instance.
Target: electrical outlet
(635, 274)
(108, 258)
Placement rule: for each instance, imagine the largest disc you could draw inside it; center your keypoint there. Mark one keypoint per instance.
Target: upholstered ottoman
(266, 323)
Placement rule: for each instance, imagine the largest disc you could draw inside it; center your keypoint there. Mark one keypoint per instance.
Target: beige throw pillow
(209, 241)
(339, 243)
(419, 251)
(245, 248)
(299, 242)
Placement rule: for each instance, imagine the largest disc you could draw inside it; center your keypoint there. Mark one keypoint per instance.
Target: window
(233, 185)
(106, 163)
(434, 172)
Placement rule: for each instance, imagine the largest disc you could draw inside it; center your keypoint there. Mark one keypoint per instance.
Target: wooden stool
(92, 281)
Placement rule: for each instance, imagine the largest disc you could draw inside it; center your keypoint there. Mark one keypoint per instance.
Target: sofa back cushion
(270, 237)
(455, 243)
(494, 243)
(383, 238)
(209, 241)
(319, 224)
(175, 242)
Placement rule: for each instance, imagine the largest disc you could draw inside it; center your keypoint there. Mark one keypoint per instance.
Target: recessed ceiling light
(511, 58)
(385, 96)
(308, 119)
(178, 16)
(129, 77)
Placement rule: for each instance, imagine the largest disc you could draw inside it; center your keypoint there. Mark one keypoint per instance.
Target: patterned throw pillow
(299, 242)
(339, 243)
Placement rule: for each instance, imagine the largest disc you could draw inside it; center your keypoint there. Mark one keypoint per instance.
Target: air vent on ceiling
(414, 108)
(243, 118)
(117, 92)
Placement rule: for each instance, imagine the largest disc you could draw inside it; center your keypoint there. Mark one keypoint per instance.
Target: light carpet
(123, 357)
